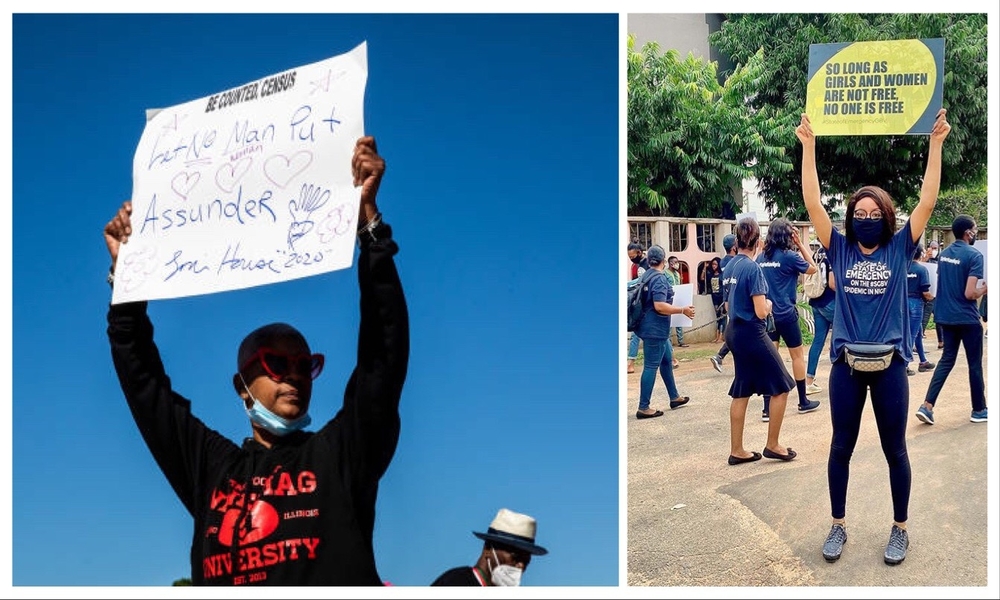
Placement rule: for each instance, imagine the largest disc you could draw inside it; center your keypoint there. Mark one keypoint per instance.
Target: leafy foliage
(961, 201)
(691, 140)
(845, 163)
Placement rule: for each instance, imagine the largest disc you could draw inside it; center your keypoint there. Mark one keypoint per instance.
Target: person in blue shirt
(784, 259)
(918, 286)
(822, 311)
(931, 257)
(639, 265)
(960, 271)
(654, 330)
(757, 367)
(729, 243)
(869, 262)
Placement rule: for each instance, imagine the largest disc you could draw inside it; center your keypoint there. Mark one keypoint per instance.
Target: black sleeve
(371, 399)
(180, 443)
(459, 576)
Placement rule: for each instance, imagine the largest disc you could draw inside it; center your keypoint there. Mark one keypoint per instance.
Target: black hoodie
(311, 510)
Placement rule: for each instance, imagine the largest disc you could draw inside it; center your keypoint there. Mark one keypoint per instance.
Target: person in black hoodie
(288, 506)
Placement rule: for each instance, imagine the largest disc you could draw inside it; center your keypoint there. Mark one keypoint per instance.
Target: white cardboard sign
(683, 296)
(931, 276)
(249, 186)
(983, 247)
(980, 245)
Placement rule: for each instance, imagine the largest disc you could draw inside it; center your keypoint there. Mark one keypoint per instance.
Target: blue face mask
(279, 426)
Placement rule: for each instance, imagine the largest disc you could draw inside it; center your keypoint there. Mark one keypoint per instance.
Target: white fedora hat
(513, 529)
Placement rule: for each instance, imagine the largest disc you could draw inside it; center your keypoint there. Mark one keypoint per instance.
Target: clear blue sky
(500, 134)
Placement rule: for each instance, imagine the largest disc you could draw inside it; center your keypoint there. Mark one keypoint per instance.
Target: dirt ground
(694, 520)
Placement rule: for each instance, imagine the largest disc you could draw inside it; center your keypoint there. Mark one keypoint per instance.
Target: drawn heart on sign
(281, 170)
(184, 182)
(229, 175)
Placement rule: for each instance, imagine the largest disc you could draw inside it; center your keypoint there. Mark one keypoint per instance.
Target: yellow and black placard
(875, 88)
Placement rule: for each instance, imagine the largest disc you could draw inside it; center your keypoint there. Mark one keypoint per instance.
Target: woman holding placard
(871, 343)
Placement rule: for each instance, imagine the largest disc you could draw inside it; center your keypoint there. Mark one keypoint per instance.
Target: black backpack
(634, 309)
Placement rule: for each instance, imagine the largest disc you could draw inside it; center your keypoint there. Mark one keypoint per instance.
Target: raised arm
(932, 177)
(374, 390)
(178, 441)
(810, 183)
(804, 251)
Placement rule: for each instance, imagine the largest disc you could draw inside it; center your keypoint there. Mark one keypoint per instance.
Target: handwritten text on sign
(247, 187)
(875, 88)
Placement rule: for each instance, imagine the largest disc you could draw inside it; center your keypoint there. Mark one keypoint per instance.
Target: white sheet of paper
(249, 186)
(932, 276)
(982, 246)
(683, 296)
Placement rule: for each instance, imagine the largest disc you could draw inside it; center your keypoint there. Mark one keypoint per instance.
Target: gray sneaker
(834, 544)
(716, 362)
(895, 550)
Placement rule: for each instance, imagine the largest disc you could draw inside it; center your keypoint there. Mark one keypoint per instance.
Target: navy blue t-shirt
(745, 280)
(917, 280)
(956, 264)
(654, 325)
(871, 293)
(722, 267)
(715, 286)
(782, 270)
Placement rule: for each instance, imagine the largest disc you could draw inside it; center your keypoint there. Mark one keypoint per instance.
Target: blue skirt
(757, 367)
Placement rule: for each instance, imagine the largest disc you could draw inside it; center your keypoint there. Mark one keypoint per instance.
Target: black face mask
(868, 232)
(972, 239)
(637, 259)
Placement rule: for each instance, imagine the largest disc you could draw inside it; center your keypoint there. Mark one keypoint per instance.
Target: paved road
(693, 520)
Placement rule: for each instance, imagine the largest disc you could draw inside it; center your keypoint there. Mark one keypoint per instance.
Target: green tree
(182, 581)
(692, 141)
(845, 163)
(961, 201)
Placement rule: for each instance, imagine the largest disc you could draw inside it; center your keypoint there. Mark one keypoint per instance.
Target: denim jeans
(823, 320)
(680, 335)
(657, 354)
(633, 346)
(970, 336)
(916, 318)
(721, 318)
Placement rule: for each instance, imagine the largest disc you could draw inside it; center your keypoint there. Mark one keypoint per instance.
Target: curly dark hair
(779, 236)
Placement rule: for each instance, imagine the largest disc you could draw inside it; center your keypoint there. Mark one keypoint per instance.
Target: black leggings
(890, 391)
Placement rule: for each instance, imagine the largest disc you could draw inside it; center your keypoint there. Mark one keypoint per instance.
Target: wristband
(369, 227)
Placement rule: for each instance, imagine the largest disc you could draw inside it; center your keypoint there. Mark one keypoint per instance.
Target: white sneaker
(812, 388)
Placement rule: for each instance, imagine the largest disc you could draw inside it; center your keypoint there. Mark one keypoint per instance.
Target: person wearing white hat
(508, 546)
